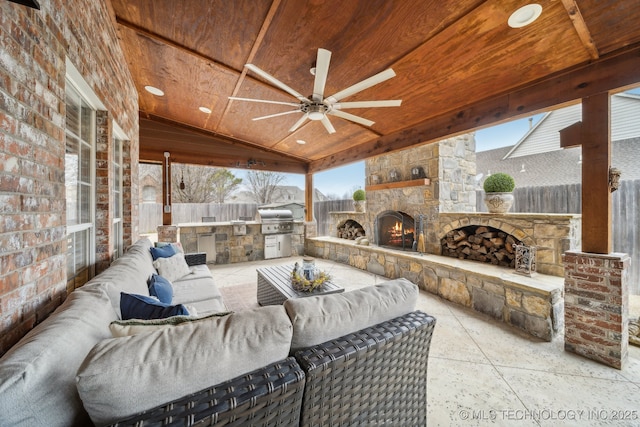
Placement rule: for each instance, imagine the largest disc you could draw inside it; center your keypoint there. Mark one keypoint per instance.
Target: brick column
(167, 233)
(596, 306)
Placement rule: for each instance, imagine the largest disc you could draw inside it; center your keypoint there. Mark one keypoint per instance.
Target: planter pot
(359, 205)
(498, 202)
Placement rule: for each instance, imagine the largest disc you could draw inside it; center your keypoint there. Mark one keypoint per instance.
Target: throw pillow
(163, 252)
(125, 328)
(172, 268)
(176, 245)
(134, 306)
(161, 288)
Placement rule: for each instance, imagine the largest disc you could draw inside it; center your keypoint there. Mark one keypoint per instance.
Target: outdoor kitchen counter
(232, 241)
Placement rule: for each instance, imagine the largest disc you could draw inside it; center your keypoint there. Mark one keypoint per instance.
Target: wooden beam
(610, 73)
(571, 136)
(308, 197)
(581, 27)
(596, 162)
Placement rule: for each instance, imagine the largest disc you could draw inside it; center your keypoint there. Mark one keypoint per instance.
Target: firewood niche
(481, 243)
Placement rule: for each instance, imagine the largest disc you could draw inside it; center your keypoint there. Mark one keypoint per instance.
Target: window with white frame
(80, 186)
(116, 195)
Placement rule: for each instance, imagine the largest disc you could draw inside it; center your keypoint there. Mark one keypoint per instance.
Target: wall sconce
(29, 3)
(523, 169)
(250, 163)
(182, 186)
(614, 179)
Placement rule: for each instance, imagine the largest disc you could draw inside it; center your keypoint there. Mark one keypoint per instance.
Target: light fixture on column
(167, 206)
(182, 186)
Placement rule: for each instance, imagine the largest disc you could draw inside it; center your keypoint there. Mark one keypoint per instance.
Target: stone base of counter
(532, 304)
(232, 248)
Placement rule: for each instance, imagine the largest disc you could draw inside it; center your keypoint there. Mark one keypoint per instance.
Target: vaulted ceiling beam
(611, 73)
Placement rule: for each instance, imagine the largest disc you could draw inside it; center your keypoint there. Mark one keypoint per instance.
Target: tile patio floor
(482, 372)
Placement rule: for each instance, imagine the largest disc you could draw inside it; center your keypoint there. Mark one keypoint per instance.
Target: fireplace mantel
(398, 184)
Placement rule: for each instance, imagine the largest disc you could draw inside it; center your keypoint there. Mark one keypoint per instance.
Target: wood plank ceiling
(458, 66)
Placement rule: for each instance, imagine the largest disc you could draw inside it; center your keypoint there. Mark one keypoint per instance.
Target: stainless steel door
(271, 247)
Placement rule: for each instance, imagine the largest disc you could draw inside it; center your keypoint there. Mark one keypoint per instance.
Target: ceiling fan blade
(293, 104)
(298, 123)
(322, 71)
(276, 115)
(364, 84)
(268, 77)
(351, 117)
(327, 125)
(367, 104)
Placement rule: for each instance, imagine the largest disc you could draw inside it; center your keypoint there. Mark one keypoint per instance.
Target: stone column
(167, 233)
(597, 306)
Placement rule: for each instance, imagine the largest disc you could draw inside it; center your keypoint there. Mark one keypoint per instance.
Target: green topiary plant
(359, 195)
(499, 183)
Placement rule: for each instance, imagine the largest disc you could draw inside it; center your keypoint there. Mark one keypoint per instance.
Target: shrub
(499, 183)
(359, 195)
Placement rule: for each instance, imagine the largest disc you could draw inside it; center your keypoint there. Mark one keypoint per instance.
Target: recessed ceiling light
(301, 142)
(525, 15)
(154, 90)
(205, 110)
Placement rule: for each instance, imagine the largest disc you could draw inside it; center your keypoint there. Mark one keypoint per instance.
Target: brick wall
(35, 46)
(597, 306)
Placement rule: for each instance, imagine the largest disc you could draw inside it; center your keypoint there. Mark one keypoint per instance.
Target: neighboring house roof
(556, 167)
(538, 160)
(545, 136)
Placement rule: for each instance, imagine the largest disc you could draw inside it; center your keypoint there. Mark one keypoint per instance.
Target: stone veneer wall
(36, 47)
(551, 234)
(597, 306)
(532, 304)
(232, 248)
(450, 166)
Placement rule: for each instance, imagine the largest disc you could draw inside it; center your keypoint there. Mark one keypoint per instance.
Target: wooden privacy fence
(151, 213)
(568, 199)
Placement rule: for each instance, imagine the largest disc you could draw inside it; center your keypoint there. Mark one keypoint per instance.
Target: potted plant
(498, 190)
(359, 197)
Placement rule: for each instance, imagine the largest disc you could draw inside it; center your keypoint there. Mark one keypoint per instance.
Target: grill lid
(275, 215)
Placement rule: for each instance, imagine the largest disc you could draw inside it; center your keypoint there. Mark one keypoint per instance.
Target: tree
(224, 184)
(202, 184)
(262, 185)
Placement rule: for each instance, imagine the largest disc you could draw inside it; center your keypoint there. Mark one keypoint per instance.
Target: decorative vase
(498, 202)
(359, 205)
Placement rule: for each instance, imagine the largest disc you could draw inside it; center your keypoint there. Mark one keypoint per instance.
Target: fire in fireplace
(396, 229)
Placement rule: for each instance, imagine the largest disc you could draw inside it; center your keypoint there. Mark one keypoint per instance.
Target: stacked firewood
(350, 230)
(479, 243)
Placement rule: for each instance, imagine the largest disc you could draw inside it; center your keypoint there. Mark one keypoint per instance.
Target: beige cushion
(322, 318)
(125, 328)
(173, 267)
(37, 386)
(123, 376)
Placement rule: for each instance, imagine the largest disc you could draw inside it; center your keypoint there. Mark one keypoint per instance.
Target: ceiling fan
(317, 107)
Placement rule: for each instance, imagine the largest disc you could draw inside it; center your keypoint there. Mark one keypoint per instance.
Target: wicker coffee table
(274, 286)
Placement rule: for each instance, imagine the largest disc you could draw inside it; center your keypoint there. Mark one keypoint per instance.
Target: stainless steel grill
(276, 221)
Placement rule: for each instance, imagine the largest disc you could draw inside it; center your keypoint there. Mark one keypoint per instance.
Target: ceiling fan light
(316, 115)
(525, 15)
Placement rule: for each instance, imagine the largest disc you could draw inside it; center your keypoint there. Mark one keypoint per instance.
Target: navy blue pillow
(143, 307)
(163, 252)
(161, 288)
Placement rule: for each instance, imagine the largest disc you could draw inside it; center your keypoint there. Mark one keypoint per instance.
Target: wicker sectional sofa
(354, 358)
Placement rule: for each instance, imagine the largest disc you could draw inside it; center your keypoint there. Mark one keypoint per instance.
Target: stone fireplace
(438, 205)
